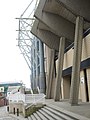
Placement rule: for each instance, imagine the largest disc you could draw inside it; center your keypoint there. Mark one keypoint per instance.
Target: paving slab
(82, 108)
(4, 115)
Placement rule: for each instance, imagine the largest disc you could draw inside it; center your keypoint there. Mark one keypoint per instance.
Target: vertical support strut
(76, 61)
(60, 68)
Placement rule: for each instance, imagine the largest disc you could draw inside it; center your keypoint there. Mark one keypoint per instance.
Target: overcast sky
(13, 67)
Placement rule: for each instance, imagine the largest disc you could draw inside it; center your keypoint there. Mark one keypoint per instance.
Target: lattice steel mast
(25, 38)
(31, 47)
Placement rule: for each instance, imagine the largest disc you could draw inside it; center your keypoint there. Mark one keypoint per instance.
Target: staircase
(51, 112)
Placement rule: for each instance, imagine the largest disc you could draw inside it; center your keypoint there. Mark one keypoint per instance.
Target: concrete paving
(4, 115)
(82, 109)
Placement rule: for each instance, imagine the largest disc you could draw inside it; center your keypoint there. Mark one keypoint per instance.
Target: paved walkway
(82, 109)
(4, 115)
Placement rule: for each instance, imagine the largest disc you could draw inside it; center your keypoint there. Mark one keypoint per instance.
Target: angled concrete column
(49, 71)
(76, 61)
(42, 70)
(37, 72)
(60, 68)
(88, 81)
(34, 76)
(37, 64)
(50, 76)
(31, 76)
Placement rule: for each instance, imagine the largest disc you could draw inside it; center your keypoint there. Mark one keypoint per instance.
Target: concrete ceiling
(77, 7)
(43, 32)
(64, 12)
(70, 9)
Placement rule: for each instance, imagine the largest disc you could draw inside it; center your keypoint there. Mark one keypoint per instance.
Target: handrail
(35, 102)
(26, 98)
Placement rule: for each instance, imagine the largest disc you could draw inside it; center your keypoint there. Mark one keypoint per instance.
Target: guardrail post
(17, 112)
(13, 110)
(8, 108)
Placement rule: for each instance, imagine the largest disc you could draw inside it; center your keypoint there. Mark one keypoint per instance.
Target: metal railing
(39, 100)
(17, 97)
(34, 98)
(27, 98)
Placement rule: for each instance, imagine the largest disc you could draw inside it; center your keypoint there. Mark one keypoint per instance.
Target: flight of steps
(51, 112)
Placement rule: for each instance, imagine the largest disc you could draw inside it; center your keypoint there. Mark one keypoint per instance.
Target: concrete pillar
(37, 72)
(60, 68)
(88, 80)
(34, 67)
(51, 72)
(37, 64)
(42, 70)
(76, 61)
(31, 75)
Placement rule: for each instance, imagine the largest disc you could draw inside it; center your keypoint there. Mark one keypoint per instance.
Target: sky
(13, 67)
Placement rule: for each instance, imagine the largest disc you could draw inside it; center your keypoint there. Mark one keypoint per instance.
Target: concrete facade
(66, 77)
(16, 106)
(68, 19)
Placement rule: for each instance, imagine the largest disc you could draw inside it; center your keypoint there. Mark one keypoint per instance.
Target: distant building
(5, 89)
(1, 89)
(5, 85)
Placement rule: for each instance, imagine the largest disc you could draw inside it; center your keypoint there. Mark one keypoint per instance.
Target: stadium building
(63, 26)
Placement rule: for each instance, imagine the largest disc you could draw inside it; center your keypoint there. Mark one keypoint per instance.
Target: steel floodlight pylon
(25, 38)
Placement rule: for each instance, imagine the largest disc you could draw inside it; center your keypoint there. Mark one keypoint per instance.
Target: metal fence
(27, 98)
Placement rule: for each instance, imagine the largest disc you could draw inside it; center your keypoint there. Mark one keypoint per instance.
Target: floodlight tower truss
(25, 38)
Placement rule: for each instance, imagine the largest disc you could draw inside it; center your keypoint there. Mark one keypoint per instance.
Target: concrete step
(36, 116)
(72, 115)
(33, 117)
(29, 118)
(62, 111)
(51, 114)
(58, 113)
(46, 115)
(41, 116)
